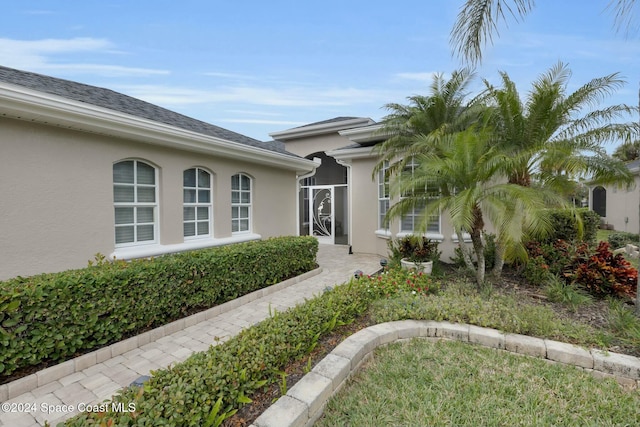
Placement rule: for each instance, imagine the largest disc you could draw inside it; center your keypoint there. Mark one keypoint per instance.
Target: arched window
(240, 203)
(197, 203)
(135, 202)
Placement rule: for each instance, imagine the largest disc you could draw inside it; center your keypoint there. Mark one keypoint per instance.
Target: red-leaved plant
(603, 273)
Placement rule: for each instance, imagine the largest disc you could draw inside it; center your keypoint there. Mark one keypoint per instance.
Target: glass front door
(321, 209)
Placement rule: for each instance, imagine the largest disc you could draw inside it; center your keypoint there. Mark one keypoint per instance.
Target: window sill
(386, 234)
(145, 251)
(436, 237)
(466, 237)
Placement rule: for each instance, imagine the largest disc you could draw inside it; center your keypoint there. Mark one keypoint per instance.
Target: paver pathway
(64, 397)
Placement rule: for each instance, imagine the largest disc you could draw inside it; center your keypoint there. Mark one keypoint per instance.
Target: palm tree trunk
(499, 261)
(464, 250)
(478, 244)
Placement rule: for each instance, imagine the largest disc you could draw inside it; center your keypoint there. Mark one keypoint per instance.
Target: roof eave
(26, 104)
(320, 129)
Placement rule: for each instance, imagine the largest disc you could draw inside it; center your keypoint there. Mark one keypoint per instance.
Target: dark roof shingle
(116, 101)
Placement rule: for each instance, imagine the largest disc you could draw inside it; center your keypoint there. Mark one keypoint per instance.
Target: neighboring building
(342, 202)
(85, 170)
(618, 206)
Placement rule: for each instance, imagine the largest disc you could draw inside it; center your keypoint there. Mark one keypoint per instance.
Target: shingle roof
(116, 101)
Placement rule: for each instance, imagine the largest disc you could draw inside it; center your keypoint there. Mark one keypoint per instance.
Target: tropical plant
(445, 110)
(471, 172)
(627, 151)
(416, 249)
(554, 137)
(478, 21)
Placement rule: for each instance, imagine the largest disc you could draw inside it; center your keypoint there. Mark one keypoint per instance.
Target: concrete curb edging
(53, 373)
(304, 403)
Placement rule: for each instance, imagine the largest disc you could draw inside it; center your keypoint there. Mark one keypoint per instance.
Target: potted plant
(416, 253)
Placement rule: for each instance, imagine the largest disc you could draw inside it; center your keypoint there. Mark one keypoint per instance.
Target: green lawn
(446, 383)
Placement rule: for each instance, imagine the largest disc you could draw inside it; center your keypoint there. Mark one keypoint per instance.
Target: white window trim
(197, 205)
(156, 211)
(382, 174)
(146, 251)
(240, 204)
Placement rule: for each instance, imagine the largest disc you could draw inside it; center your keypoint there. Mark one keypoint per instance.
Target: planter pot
(426, 267)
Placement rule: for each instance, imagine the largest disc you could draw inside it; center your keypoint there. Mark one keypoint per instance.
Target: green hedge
(566, 227)
(53, 317)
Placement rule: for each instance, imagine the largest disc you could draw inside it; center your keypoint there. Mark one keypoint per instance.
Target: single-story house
(618, 206)
(85, 170)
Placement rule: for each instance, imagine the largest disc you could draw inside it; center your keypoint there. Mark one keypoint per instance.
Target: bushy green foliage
(620, 239)
(566, 227)
(51, 317)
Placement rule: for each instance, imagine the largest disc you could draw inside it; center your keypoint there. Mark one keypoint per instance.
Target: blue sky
(257, 67)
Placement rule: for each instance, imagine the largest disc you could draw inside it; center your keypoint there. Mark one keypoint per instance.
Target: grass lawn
(444, 383)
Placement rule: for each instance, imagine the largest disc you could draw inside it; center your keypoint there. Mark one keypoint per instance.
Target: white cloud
(426, 77)
(291, 96)
(42, 56)
(263, 122)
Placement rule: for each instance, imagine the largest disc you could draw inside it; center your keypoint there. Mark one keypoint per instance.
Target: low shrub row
(186, 394)
(52, 317)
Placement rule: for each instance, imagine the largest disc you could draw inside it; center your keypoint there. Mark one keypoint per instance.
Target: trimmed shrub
(566, 227)
(52, 317)
(621, 239)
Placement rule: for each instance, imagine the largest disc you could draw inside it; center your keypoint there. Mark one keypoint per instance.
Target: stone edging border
(305, 401)
(53, 373)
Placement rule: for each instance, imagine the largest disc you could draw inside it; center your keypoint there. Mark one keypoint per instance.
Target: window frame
(384, 196)
(197, 205)
(415, 211)
(237, 206)
(136, 205)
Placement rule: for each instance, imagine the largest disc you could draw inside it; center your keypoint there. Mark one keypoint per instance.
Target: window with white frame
(240, 203)
(383, 195)
(411, 219)
(135, 202)
(197, 203)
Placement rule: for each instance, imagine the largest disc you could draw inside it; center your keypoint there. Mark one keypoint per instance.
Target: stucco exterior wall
(623, 207)
(313, 144)
(57, 211)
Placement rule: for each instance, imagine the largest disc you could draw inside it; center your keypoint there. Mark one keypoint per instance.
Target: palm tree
(443, 111)
(471, 169)
(478, 21)
(554, 137)
(627, 151)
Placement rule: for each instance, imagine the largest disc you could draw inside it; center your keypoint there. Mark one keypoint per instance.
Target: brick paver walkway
(63, 397)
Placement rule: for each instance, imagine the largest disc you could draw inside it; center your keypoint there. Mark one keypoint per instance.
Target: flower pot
(426, 267)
